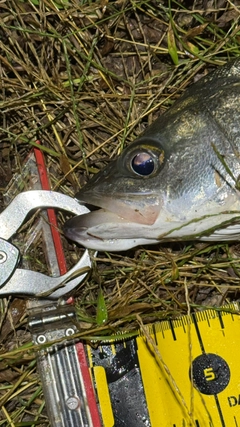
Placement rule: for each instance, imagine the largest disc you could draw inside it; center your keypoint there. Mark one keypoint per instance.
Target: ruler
(184, 372)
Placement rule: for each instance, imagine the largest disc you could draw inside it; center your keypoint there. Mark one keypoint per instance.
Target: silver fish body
(178, 181)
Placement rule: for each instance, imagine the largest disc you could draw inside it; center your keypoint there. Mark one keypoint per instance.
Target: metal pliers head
(24, 282)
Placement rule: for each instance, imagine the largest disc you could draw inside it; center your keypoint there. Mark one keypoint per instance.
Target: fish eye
(143, 164)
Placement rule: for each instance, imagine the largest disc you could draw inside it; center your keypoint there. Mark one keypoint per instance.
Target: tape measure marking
(206, 342)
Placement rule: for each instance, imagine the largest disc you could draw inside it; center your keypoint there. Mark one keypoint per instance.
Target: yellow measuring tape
(189, 369)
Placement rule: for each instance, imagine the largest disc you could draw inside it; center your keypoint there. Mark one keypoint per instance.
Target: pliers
(22, 282)
(67, 396)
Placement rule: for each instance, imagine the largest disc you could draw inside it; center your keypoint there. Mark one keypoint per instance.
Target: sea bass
(177, 181)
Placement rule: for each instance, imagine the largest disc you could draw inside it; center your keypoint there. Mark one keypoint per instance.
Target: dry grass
(85, 78)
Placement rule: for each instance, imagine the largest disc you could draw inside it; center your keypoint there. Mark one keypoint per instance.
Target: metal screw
(73, 403)
(69, 332)
(41, 339)
(3, 257)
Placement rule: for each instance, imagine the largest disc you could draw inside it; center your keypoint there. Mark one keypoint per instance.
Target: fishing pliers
(23, 282)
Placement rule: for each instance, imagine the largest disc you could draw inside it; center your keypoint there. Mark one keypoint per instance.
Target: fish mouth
(133, 208)
(112, 224)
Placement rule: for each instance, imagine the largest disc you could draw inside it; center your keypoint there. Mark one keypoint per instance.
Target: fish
(178, 181)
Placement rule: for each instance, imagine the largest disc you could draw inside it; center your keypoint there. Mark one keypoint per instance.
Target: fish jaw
(100, 230)
(142, 210)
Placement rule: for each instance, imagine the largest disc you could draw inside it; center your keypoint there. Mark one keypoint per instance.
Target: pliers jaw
(28, 283)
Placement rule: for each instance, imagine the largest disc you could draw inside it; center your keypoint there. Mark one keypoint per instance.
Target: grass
(85, 78)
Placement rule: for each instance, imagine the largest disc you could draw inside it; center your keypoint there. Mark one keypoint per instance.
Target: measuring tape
(184, 372)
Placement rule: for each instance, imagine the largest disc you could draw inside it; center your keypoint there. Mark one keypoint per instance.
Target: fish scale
(177, 181)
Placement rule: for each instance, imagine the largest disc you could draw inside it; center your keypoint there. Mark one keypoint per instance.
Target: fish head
(170, 183)
(127, 193)
(154, 188)
(129, 186)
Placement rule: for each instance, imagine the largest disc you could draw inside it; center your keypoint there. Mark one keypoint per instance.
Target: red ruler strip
(91, 398)
(50, 212)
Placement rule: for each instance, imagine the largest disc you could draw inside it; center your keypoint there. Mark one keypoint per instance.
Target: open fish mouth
(102, 229)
